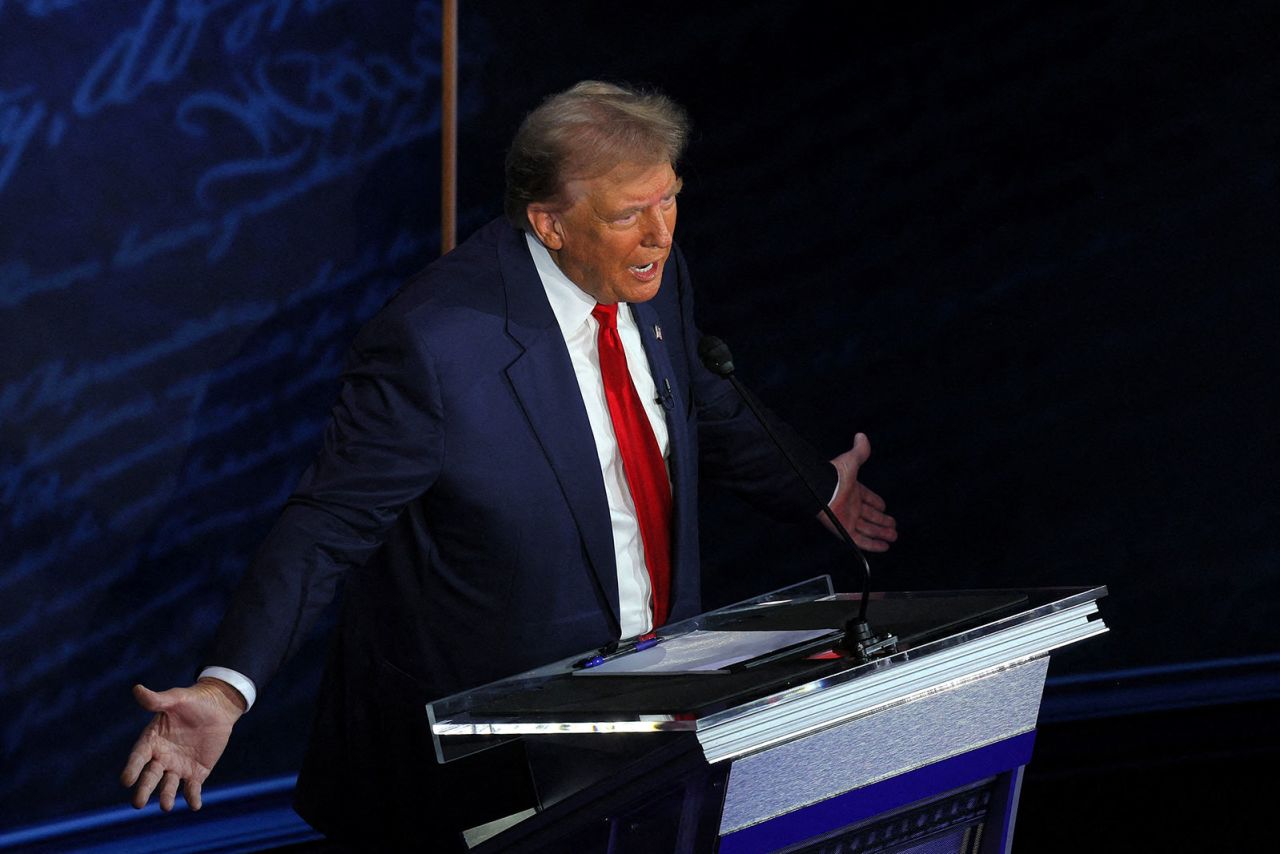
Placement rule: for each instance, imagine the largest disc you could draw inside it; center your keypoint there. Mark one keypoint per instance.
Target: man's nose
(656, 232)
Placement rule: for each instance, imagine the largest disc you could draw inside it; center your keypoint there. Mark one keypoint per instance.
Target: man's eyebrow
(672, 190)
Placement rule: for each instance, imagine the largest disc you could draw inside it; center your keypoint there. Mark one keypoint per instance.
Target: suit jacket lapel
(544, 383)
(684, 510)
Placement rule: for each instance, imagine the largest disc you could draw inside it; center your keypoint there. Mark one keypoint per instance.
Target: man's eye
(626, 219)
(668, 202)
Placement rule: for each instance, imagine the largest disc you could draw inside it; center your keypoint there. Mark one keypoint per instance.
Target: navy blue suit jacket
(459, 493)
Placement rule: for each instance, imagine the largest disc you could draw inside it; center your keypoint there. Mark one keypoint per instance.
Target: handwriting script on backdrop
(164, 349)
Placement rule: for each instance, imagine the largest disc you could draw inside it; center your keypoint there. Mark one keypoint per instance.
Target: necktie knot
(606, 315)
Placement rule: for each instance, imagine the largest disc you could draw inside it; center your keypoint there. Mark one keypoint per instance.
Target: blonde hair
(586, 131)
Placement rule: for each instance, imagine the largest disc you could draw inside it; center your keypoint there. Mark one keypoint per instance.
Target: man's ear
(546, 225)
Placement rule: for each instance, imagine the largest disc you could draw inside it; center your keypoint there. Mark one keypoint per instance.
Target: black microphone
(859, 638)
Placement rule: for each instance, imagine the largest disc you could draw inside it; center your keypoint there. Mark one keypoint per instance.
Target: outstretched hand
(859, 509)
(182, 743)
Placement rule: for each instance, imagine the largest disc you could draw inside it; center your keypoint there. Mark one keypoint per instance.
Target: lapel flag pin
(657, 331)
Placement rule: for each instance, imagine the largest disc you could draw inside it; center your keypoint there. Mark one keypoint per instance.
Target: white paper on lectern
(702, 651)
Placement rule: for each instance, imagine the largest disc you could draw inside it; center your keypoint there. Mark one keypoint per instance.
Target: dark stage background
(1031, 252)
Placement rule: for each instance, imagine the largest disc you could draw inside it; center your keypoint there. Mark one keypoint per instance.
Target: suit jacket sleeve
(382, 447)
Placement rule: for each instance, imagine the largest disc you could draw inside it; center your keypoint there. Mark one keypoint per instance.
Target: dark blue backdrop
(201, 200)
(1032, 253)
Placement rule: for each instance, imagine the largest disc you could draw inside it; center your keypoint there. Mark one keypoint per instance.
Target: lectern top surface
(560, 698)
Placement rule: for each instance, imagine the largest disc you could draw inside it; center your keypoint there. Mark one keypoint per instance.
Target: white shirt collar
(570, 303)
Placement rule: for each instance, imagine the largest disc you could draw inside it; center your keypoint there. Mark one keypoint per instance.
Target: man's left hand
(859, 509)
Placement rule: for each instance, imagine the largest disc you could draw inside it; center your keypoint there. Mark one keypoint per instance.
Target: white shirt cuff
(239, 681)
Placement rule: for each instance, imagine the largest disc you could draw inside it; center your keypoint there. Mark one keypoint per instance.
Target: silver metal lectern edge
(810, 708)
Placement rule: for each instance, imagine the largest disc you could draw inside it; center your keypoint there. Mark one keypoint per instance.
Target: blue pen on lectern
(641, 643)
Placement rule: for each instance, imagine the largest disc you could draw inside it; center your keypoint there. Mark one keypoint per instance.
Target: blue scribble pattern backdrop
(201, 200)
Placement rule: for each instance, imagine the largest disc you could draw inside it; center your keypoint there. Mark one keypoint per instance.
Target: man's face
(614, 240)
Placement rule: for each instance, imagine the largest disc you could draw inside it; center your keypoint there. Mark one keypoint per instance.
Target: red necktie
(641, 459)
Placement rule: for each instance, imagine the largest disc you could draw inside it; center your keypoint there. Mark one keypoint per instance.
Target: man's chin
(638, 295)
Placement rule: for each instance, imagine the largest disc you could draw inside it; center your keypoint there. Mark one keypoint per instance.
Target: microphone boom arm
(860, 640)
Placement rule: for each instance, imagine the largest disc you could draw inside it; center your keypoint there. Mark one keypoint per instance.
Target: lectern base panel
(951, 824)
(961, 805)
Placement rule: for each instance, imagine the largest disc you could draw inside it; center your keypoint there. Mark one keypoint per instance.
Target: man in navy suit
(478, 490)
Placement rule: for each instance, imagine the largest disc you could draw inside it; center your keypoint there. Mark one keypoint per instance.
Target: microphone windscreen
(715, 355)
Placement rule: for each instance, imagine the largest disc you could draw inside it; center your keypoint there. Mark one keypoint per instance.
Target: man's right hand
(182, 743)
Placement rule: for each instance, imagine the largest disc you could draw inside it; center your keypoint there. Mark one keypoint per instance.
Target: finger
(861, 448)
(150, 700)
(138, 758)
(869, 497)
(168, 792)
(870, 544)
(877, 532)
(876, 524)
(147, 783)
(877, 515)
(191, 789)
